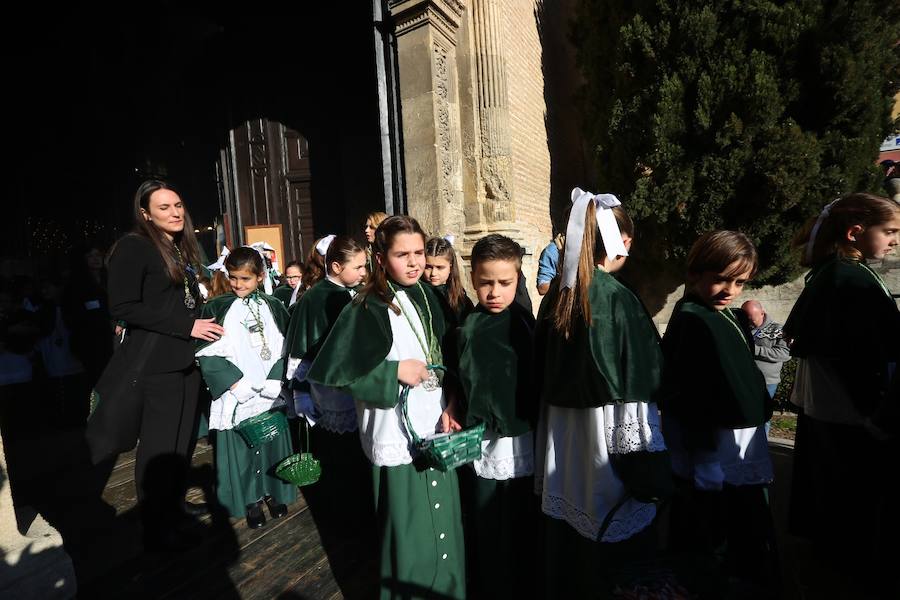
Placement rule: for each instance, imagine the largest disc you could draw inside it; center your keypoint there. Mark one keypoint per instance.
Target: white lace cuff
(632, 427)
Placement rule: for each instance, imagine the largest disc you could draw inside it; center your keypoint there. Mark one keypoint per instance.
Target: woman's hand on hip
(412, 372)
(207, 329)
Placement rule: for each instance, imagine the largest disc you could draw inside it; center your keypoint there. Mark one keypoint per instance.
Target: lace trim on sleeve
(632, 427)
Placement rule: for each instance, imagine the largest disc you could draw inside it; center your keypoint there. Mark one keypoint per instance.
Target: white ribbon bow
(219, 265)
(606, 223)
(324, 243)
(450, 238)
(815, 230)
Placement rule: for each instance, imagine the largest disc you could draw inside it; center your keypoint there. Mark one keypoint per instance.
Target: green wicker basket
(450, 450)
(262, 428)
(444, 451)
(300, 469)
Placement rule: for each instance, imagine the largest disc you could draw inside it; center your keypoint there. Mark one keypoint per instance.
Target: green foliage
(745, 115)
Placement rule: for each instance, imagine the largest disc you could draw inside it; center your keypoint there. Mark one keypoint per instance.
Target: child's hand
(448, 420)
(412, 372)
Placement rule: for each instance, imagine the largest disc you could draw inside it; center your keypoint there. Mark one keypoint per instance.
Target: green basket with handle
(262, 428)
(301, 468)
(444, 451)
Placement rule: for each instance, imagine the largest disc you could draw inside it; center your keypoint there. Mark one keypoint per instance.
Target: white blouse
(382, 432)
(242, 349)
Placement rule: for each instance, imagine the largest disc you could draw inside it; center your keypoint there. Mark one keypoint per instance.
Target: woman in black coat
(149, 389)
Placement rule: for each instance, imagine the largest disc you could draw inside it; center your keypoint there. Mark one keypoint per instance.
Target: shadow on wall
(570, 153)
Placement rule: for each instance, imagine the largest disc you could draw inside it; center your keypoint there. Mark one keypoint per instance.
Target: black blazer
(142, 295)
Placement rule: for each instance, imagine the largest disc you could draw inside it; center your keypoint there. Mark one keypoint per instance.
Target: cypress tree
(747, 115)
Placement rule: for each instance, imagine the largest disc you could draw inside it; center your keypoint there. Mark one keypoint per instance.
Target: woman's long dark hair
(377, 285)
(185, 241)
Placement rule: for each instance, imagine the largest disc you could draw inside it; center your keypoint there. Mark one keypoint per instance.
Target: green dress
(244, 474)
(496, 371)
(421, 548)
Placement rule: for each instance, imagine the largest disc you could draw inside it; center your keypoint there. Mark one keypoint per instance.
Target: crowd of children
(592, 423)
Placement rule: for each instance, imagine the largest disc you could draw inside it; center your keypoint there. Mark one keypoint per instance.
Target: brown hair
(575, 301)
(717, 250)
(313, 269)
(377, 285)
(439, 247)
(860, 208)
(376, 218)
(245, 257)
(218, 284)
(341, 250)
(185, 241)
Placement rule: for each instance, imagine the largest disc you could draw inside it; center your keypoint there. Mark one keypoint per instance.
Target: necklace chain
(430, 348)
(252, 303)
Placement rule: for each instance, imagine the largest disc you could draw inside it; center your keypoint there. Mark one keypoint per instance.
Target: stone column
(426, 51)
(493, 106)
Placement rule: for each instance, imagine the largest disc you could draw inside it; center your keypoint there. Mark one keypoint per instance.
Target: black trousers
(168, 424)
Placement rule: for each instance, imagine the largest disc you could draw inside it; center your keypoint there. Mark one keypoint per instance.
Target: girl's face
(243, 281)
(495, 283)
(352, 272)
(370, 231)
(718, 290)
(292, 274)
(877, 241)
(94, 259)
(166, 211)
(437, 270)
(405, 259)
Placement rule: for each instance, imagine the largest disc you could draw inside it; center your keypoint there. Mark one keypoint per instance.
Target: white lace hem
(508, 467)
(631, 518)
(337, 421)
(385, 455)
(632, 427)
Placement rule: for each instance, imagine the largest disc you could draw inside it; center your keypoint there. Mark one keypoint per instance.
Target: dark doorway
(105, 98)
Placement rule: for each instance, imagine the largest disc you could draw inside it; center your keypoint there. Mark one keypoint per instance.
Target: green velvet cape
(353, 355)
(313, 317)
(284, 293)
(496, 368)
(711, 380)
(219, 373)
(459, 315)
(615, 359)
(846, 318)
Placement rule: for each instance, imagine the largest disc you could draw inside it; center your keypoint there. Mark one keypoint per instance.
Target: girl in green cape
(715, 406)
(845, 328)
(388, 337)
(243, 371)
(343, 495)
(601, 464)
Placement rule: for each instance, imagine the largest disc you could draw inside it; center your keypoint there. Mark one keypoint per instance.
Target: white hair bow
(219, 265)
(324, 243)
(606, 223)
(450, 238)
(815, 230)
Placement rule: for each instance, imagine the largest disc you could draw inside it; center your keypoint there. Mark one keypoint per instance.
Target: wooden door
(266, 181)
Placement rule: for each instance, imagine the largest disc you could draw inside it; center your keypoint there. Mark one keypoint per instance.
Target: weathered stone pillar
(493, 106)
(426, 51)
